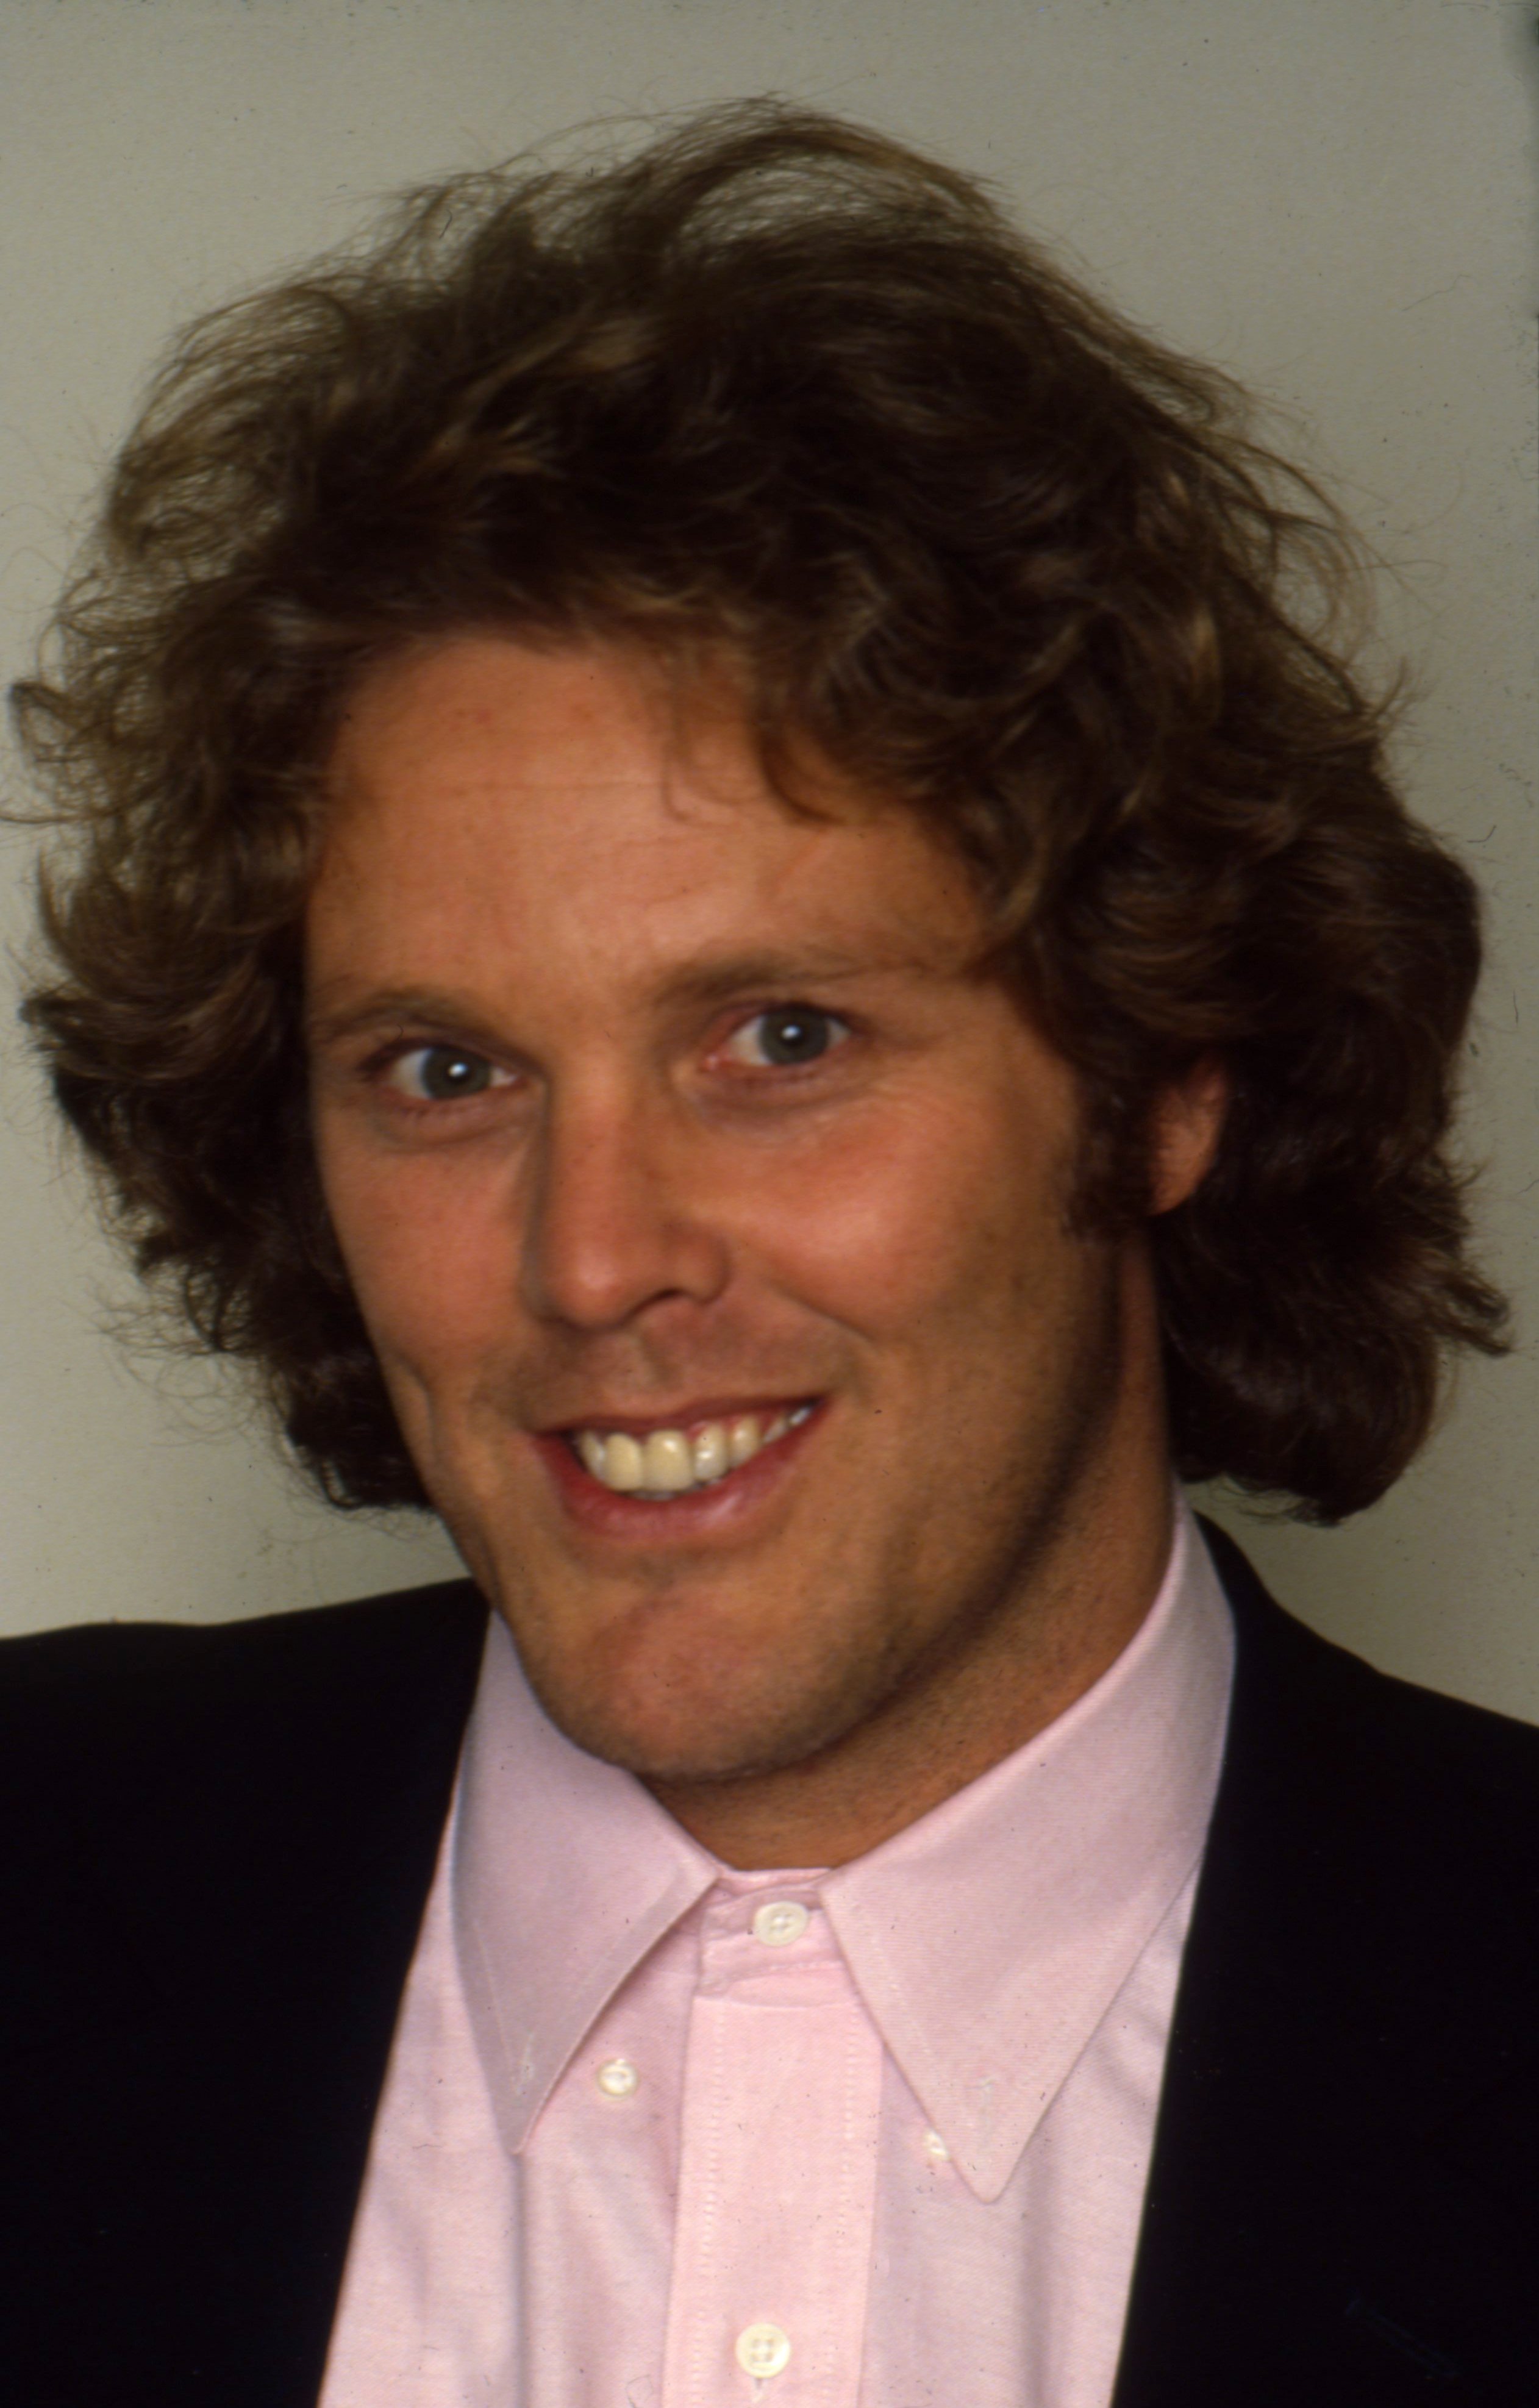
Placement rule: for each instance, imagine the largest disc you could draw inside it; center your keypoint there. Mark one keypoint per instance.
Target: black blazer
(218, 1844)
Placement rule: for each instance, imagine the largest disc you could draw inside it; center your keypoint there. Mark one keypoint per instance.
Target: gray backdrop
(1333, 197)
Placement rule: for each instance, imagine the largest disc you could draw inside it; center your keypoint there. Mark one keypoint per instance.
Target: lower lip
(699, 1513)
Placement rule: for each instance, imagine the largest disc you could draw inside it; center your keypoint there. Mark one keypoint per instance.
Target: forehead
(489, 795)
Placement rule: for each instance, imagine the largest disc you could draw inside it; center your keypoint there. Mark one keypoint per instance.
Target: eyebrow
(717, 981)
(701, 984)
(389, 1009)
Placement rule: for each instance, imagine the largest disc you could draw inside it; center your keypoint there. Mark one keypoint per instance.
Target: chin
(710, 1747)
(693, 1730)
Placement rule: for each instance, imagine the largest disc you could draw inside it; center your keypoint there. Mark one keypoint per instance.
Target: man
(732, 918)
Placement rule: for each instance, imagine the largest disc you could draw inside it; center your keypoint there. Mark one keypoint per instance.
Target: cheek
(427, 1251)
(925, 1217)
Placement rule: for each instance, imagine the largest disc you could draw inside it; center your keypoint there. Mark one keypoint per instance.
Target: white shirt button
(763, 2350)
(936, 2149)
(617, 2077)
(777, 1924)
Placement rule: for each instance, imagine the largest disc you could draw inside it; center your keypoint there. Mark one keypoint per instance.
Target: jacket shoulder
(219, 1842)
(80, 1655)
(82, 1701)
(1386, 1737)
(1373, 1862)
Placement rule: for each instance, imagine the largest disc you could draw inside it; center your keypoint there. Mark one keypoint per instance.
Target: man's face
(644, 1106)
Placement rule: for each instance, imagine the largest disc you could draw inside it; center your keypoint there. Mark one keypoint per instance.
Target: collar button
(780, 1921)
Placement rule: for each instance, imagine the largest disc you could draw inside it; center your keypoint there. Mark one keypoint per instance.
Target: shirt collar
(987, 1940)
(563, 1872)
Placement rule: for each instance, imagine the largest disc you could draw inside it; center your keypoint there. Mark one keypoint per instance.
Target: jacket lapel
(1341, 2209)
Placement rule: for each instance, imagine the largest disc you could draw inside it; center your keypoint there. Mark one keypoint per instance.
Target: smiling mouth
(667, 1464)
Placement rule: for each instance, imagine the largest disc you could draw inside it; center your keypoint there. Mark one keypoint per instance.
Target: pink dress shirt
(658, 2134)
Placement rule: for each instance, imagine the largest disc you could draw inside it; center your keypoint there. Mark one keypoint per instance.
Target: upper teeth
(668, 1461)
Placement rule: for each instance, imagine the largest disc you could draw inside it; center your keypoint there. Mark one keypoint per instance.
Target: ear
(1183, 1131)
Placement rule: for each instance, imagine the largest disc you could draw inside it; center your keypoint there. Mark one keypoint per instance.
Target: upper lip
(708, 1409)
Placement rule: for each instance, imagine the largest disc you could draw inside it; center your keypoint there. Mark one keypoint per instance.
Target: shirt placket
(777, 2178)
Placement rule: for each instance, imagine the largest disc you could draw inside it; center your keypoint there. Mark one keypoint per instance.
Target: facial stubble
(878, 1658)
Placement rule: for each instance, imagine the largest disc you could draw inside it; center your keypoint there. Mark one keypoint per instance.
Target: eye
(786, 1036)
(442, 1074)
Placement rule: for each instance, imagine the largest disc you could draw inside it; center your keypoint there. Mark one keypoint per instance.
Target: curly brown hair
(777, 390)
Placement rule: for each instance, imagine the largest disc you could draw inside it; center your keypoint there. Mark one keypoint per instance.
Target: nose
(618, 1217)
